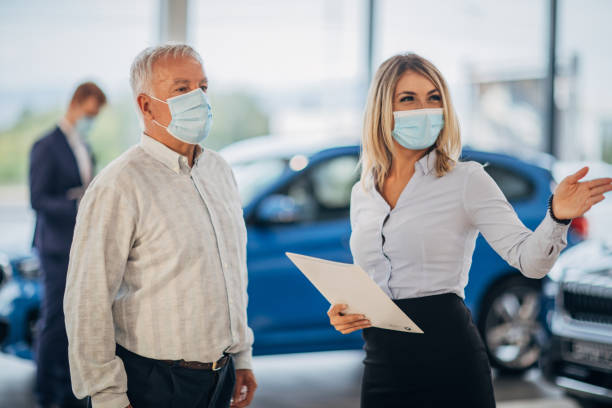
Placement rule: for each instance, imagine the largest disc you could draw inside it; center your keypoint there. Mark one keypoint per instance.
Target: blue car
(296, 198)
(20, 294)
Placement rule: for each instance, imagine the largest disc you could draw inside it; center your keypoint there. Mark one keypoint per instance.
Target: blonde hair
(377, 140)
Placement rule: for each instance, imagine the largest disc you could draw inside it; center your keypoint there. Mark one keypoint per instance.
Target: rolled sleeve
(108, 400)
(532, 252)
(244, 359)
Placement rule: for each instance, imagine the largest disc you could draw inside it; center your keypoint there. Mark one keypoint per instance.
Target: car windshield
(254, 176)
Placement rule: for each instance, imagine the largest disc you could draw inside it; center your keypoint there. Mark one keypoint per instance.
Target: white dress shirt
(424, 245)
(158, 265)
(83, 158)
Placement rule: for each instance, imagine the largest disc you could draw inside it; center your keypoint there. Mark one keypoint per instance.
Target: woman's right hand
(346, 324)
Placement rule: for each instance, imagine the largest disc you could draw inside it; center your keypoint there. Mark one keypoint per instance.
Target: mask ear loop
(159, 124)
(154, 121)
(151, 96)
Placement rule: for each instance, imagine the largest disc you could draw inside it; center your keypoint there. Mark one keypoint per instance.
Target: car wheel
(509, 324)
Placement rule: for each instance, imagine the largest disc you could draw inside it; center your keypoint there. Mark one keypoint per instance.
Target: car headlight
(29, 268)
(550, 288)
(5, 269)
(550, 285)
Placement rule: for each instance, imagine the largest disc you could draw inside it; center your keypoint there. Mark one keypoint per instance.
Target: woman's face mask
(417, 129)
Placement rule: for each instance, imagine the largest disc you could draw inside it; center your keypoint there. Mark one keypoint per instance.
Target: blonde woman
(415, 216)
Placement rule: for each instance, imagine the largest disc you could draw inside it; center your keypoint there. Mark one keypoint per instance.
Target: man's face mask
(191, 116)
(83, 126)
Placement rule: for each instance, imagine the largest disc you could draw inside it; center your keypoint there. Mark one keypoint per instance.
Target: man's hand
(244, 389)
(75, 193)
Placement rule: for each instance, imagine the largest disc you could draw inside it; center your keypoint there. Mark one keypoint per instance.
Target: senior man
(156, 297)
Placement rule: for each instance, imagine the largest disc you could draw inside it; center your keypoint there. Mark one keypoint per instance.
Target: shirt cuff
(555, 230)
(244, 359)
(108, 400)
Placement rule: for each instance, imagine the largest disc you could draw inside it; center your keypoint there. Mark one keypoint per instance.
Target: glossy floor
(328, 379)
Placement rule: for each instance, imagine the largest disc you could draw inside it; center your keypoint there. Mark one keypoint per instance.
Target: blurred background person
(61, 167)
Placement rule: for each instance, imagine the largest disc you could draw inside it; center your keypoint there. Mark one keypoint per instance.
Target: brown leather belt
(196, 365)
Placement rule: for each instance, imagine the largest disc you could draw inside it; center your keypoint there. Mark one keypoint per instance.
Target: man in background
(61, 167)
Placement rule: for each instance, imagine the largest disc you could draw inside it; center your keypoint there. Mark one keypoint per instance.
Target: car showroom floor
(327, 379)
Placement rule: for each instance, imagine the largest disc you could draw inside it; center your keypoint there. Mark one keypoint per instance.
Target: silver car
(578, 312)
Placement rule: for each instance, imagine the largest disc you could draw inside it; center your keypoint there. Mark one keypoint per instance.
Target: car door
(286, 312)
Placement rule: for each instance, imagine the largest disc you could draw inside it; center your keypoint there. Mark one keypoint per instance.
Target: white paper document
(349, 284)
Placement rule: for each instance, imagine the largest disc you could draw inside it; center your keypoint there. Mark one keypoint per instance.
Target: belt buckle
(215, 366)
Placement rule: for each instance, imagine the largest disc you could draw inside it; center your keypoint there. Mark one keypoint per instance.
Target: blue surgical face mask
(191, 116)
(83, 126)
(419, 128)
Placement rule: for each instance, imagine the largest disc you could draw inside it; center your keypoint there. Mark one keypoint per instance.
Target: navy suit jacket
(53, 171)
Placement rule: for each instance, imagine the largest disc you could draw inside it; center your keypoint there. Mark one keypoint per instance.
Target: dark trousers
(156, 384)
(447, 366)
(53, 374)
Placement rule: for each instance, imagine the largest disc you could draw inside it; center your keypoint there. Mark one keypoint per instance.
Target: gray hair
(141, 71)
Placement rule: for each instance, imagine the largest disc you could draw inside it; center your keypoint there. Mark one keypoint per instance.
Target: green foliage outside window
(237, 116)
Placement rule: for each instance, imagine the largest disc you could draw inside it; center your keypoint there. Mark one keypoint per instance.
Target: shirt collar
(68, 130)
(428, 162)
(168, 157)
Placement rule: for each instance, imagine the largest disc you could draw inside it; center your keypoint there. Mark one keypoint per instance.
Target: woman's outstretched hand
(346, 324)
(573, 198)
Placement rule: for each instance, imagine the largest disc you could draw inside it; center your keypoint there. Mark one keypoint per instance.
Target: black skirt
(447, 366)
